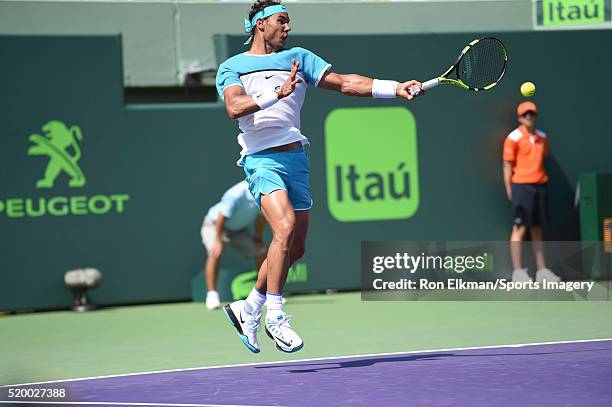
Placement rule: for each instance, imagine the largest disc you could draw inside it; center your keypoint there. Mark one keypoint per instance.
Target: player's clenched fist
(403, 89)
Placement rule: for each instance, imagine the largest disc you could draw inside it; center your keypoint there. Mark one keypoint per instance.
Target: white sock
(256, 300)
(274, 305)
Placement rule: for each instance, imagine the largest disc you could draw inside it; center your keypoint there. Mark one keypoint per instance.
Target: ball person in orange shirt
(525, 179)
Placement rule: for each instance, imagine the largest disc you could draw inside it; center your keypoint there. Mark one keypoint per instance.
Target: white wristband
(265, 99)
(384, 89)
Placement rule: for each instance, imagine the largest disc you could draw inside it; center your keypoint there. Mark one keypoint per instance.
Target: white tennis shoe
(546, 274)
(212, 300)
(246, 321)
(279, 330)
(521, 276)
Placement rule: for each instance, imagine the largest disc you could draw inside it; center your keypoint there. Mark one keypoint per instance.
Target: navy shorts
(529, 204)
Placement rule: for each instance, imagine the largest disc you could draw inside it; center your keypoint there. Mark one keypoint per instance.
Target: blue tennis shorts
(268, 171)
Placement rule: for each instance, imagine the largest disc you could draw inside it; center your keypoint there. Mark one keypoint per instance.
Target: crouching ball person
(228, 222)
(264, 88)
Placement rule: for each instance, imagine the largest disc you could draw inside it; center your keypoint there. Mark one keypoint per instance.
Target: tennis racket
(480, 66)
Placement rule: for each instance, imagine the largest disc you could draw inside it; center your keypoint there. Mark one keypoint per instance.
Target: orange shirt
(527, 151)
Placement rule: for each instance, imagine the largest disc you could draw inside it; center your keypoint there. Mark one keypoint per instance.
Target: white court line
(511, 345)
(113, 403)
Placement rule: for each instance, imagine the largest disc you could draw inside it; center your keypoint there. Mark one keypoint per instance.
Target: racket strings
(483, 64)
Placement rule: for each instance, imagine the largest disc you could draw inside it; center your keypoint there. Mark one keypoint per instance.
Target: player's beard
(281, 39)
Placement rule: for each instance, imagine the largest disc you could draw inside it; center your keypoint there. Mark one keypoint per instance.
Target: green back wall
(174, 161)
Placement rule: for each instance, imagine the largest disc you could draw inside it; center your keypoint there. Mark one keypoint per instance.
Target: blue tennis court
(552, 374)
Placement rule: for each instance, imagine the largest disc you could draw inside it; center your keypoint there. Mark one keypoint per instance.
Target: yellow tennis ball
(528, 89)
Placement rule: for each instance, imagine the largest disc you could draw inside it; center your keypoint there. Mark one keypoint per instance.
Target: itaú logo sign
(371, 164)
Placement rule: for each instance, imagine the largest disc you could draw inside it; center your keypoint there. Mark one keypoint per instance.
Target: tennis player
(525, 179)
(264, 88)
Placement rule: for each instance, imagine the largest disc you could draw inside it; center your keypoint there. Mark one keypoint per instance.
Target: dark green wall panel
(174, 161)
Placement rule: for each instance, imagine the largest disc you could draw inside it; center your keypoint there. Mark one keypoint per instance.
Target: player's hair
(258, 6)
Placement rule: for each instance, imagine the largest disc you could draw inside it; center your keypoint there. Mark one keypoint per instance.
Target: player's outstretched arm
(362, 86)
(238, 103)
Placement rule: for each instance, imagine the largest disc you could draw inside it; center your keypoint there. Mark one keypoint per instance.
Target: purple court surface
(561, 374)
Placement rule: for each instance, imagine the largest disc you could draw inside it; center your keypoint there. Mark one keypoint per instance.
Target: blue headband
(266, 12)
